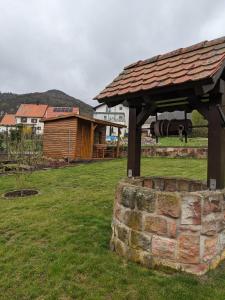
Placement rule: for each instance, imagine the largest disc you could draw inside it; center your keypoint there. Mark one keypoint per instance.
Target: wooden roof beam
(189, 89)
(145, 113)
(202, 108)
(171, 109)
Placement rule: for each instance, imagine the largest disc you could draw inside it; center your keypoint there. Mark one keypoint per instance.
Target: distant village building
(8, 122)
(32, 115)
(118, 114)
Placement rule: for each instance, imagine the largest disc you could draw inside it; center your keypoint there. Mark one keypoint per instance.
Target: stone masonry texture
(177, 223)
(154, 151)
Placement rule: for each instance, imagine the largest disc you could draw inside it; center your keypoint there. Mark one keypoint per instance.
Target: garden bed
(20, 193)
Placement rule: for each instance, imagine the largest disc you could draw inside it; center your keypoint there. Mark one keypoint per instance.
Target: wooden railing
(102, 151)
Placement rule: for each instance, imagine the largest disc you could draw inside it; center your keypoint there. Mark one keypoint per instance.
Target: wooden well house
(76, 137)
(185, 79)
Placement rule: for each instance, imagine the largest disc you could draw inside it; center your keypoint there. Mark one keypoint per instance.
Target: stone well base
(172, 222)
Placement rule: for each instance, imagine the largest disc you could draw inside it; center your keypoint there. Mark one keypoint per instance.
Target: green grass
(175, 142)
(56, 245)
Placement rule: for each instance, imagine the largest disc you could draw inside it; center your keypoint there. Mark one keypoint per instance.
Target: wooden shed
(76, 137)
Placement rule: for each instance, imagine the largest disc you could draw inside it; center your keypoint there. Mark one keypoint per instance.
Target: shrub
(198, 119)
(1, 142)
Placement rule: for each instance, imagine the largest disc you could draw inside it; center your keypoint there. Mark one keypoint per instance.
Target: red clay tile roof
(52, 112)
(8, 120)
(193, 63)
(32, 110)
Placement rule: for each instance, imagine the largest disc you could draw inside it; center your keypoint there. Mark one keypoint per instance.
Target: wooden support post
(156, 137)
(216, 144)
(134, 144)
(118, 143)
(185, 128)
(93, 126)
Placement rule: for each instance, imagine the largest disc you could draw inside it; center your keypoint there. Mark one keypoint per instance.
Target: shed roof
(96, 121)
(32, 110)
(8, 120)
(195, 63)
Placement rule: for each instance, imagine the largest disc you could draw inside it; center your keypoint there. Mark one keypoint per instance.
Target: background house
(8, 122)
(32, 115)
(118, 114)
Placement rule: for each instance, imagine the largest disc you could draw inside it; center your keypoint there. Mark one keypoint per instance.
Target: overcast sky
(79, 46)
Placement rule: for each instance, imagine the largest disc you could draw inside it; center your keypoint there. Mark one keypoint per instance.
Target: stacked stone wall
(176, 152)
(169, 222)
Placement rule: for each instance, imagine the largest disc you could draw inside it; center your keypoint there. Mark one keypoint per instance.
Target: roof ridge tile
(203, 44)
(194, 63)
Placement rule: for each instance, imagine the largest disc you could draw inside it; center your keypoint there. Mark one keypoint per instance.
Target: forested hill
(10, 102)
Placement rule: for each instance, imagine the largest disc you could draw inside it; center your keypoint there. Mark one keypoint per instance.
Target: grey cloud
(80, 46)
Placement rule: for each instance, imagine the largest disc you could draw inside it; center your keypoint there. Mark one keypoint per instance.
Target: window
(121, 118)
(39, 128)
(105, 117)
(34, 121)
(23, 120)
(121, 108)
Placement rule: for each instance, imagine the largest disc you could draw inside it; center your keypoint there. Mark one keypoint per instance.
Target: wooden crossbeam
(222, 114)
(145, 113)
(195, 103)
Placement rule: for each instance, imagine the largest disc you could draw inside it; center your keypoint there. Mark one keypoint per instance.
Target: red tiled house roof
(191, 64)
(52, 112)
(8, 120)
(32, 110)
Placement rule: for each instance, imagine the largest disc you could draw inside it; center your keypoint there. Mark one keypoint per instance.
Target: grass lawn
(56, 245)
(174, 141)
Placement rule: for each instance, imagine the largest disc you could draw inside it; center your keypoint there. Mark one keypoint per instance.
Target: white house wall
(118, 114)
(39, 125)
(103, 112)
